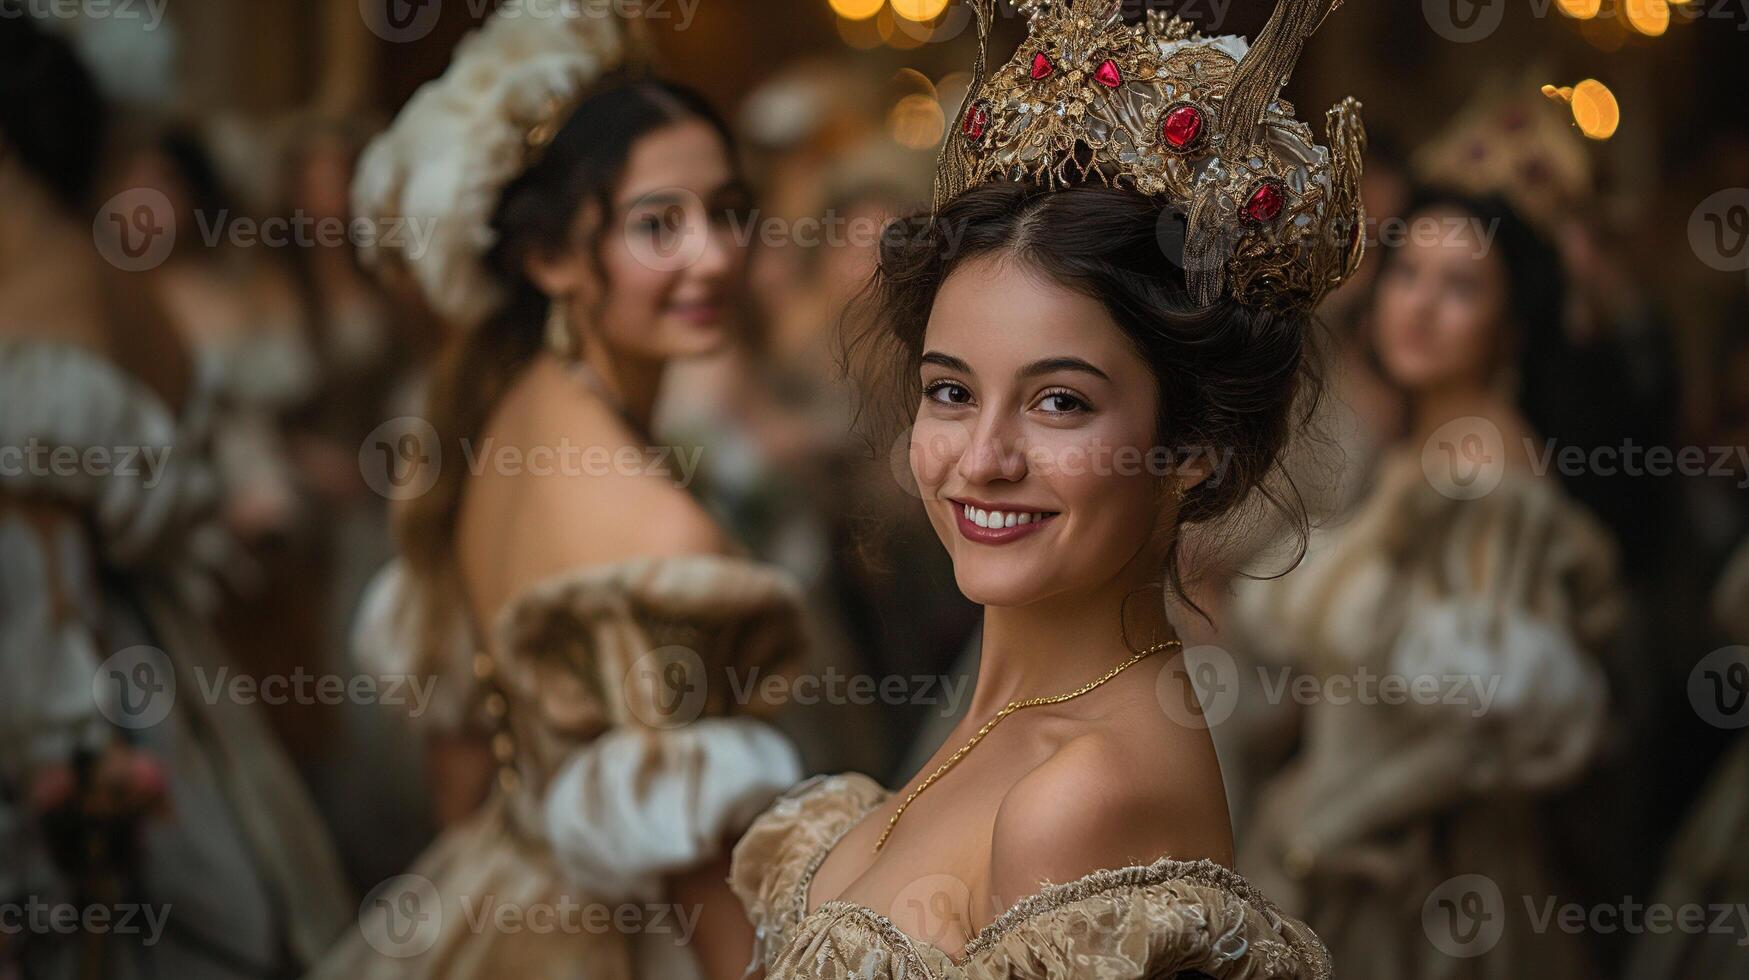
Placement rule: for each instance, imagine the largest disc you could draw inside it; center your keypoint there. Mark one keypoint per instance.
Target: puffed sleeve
(772, 858)
(1174, 919)
(79, 431)
(88, 475)
(1499, 607)
(387, 640)
(638, 804)
(1516, 593)
(636, 686)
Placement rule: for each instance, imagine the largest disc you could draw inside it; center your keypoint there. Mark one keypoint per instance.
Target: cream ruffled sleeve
(385, 642)
(1505, 601)
(631, 690)
(1516, 592)
(95, 453)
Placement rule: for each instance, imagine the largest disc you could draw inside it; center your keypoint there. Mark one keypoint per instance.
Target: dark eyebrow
(664, 197)
(1052, 364)
(948, 361)
(1033, 370)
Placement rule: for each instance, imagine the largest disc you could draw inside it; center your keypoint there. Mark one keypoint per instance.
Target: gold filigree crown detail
(1272, 218)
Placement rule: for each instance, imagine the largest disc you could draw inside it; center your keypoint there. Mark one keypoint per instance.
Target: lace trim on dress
(1053, 897)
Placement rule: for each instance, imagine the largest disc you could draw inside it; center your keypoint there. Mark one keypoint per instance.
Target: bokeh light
(856, 9)
(1649, 17)
(1580, 9)
(901, 35)
(917, 122)
(863, 35)
(1595, 109)
(919, 10)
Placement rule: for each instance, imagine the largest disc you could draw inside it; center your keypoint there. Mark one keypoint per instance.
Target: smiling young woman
(1095, 304)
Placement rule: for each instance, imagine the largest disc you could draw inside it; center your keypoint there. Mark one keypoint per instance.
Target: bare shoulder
(1111, 799)
(560, 481)
(601, 518)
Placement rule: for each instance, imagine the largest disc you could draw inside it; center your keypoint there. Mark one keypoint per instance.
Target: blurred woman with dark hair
(577, 608)
(1470, 577)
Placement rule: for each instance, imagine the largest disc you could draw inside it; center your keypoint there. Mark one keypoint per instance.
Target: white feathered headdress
(432, 181)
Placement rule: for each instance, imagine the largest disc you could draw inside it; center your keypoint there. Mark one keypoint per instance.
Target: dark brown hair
(1232, 379)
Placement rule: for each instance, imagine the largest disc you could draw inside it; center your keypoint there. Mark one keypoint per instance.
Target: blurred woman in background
(123, 783)
(578, 620)
(1463, 567)
(235, 312)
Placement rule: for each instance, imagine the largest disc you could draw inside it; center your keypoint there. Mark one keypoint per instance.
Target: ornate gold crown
(1272, 218)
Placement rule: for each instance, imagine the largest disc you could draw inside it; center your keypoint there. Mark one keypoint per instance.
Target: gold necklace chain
(1011, 708)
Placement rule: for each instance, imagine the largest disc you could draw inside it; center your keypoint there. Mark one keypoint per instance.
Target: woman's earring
(559, 337)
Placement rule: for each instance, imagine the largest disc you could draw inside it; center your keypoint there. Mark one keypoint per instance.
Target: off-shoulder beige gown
(1165, 919)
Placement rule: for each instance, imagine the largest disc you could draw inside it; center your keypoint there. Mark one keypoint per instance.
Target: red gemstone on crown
(1108, 75)
(1041, 66)
(1265, 203)
(977, 121)
(1182, 127)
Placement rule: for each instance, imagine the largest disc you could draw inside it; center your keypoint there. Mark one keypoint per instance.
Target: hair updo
(1234, 381)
